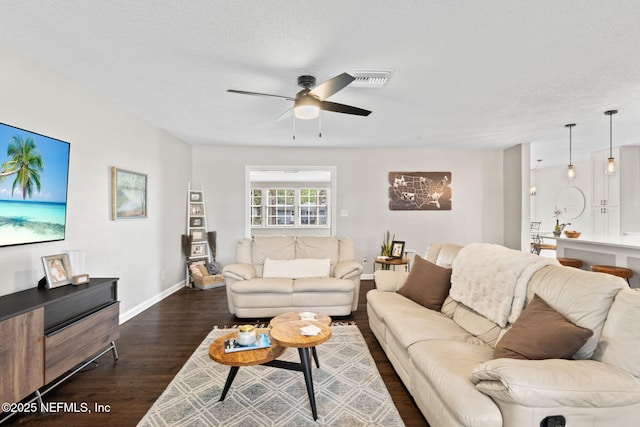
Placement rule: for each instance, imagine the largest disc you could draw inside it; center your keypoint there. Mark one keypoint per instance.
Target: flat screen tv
(34, 172)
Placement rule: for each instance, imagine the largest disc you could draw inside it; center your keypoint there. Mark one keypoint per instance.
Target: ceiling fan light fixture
(306, 108)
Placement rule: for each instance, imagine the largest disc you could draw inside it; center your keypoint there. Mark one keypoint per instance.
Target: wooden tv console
(47, 333)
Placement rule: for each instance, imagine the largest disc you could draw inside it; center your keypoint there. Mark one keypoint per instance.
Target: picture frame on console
(57, 270)
(397, 249)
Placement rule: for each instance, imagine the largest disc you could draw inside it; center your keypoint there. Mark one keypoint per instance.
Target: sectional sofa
(518, 340)
(277, 274)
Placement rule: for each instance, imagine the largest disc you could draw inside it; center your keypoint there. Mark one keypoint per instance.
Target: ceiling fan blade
(332, 86)
(341, 108)
(243, 92)
(285, 115)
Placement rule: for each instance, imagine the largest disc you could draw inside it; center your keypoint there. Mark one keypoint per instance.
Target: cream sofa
(277, 274)
(446, 358)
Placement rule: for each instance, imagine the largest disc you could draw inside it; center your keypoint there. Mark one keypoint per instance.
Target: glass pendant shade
(571, 172)
(611, 165)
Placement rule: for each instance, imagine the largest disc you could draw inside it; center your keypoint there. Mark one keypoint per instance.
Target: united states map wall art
(426, 191)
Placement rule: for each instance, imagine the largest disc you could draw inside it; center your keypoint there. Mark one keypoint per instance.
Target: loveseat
(277, 274)
(518, 340)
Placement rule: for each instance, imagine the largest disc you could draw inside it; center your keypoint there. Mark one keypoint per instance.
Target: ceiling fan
(310, 100)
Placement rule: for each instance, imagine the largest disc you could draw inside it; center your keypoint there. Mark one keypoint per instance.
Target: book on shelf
(231, 344)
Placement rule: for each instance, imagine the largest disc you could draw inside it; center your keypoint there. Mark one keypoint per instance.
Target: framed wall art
(128, 194)
(57, 270)
(420, 191)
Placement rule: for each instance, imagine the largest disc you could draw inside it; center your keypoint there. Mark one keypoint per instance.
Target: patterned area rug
(349, 390)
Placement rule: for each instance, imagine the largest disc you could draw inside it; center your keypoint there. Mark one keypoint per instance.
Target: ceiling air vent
(371, 78)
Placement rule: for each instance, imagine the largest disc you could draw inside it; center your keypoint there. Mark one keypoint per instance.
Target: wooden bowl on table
(572, 234)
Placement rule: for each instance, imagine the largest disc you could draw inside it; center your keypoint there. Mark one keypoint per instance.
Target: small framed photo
(198, 249)
(57, 270)
(195, 222)
(196, 209)
(198, 235)
(195, 196)
(397, 250)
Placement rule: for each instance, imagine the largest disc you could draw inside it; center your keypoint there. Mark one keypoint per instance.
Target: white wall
(363, 190)
(101, 135)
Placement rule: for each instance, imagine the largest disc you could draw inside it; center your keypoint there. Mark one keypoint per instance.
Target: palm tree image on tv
(25, 162)
(33, 187)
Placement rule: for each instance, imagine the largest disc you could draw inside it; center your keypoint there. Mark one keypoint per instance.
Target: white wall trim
(366, 276)
(150, 302)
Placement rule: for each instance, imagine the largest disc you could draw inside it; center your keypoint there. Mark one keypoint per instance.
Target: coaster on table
(307, 315)
(310, 330)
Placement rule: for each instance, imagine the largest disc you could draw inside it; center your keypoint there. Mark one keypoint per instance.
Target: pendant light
(611, 164)
(571, 172)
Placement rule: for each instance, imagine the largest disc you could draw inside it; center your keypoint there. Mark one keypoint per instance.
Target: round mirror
(571, 203)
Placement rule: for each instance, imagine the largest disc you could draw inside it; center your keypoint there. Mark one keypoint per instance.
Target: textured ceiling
(468, 74)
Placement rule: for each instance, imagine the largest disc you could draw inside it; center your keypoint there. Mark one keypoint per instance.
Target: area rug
(348, 387)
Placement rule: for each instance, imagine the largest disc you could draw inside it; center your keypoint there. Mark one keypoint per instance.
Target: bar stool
(570, 262)
(625, 273)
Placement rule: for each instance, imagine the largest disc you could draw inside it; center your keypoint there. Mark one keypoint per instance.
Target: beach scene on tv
(33, 187)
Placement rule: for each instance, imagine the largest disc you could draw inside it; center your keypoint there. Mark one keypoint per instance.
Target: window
(289, 207)
(313, 206)
(256, 207)
(280, 206)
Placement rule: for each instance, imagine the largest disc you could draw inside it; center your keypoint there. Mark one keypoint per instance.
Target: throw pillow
(427, 284)
(541, 333)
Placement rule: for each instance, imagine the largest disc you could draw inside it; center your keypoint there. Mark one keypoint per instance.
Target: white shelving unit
(197, 229)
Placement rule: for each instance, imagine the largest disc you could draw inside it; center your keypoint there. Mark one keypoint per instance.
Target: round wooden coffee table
(287, 334)
(294, 315)
(237, 359)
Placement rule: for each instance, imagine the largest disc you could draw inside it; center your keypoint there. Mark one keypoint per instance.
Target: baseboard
(151, 301)
(366, 276)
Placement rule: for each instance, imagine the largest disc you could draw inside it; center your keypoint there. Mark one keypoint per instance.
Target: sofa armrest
(347, 270)
(389, 280)
(239, 271)
(556, 383)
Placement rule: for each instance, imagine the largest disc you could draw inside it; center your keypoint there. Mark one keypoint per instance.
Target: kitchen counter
(621, 251)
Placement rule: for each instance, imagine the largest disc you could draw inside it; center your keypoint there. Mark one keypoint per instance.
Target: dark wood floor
(154, 345)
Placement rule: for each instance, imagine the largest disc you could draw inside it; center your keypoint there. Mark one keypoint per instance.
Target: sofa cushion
(541, 333)
(317, 247)
(296, 268)
(447, 367)
(618, 345)
(328, 284)
(583, 297)
(275, 247)
(262, 286)
(428, 284)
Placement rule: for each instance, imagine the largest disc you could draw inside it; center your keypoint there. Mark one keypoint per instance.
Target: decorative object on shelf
(572, 234)
(397, 250)
(80, 279)
(128, 194)
(420, 191)
(611, 164)
(57, 270)
(571, 172)
(385, 248)
(556, 229)
(246, 335)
